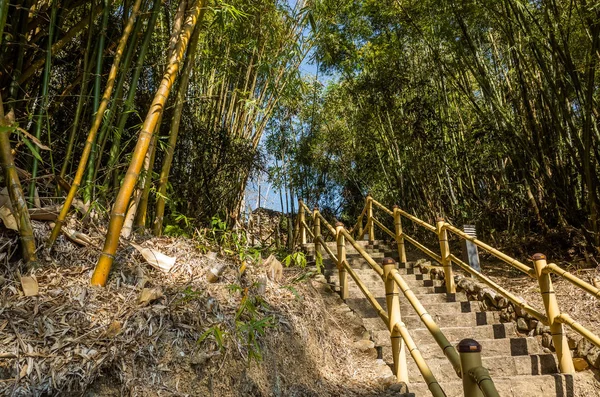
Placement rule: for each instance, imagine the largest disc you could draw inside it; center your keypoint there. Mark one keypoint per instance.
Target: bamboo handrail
(503, 257)
(363, 253)
(380, 312)
(327, 224)
(416, 220)
(383, 208)
(327, 249)
(432, 383)
(589, 288)
(565, 318)
(308, 229)
(385, 229)
(514, 299)
(434, 329)
(482, 377)
(424, 249)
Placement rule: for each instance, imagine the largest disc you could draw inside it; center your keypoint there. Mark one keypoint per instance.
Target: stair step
(453, 334)
(490, 348)
(363, 308)
(558, 385)
(443, 320)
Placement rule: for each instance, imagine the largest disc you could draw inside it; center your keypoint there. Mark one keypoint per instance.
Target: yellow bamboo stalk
(385, 229)
(341, 256)
(380, 312)
(445, 254)
(370, 218)
(577, 327)
(587, 287)
(307, 229)
(393, 305)
(513, 298)
(417, 221)
(327, 249)
(15, 191)
(433, 385)
(423, 249)
(317, 230)
(363, 253)
(559, 337)
(382, 207)
(301, 222)
(121, 203)
(503, 257)
(95, 125)
(430, 324)
(399, 235)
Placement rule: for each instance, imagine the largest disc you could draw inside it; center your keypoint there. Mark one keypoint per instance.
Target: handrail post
(399, 235)
(470, 358)
(370, 218)
(316, 229)
(565, 361)
(302, 218)
(393, 306)
(341, 256)
(445, 255)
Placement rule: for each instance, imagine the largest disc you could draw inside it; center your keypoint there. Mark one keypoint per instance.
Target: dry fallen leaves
(29, 285)
(156, 258)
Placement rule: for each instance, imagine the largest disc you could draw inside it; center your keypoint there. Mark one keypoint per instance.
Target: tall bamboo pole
(120, 207)
(128, 107)
(173, 134)
(15, 191)
(44, 106)
(96, 125)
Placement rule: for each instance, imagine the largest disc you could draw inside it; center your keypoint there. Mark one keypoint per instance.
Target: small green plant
(296, 259)
(217, 334)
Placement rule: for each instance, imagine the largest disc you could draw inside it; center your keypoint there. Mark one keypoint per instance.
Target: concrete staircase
(518, 364)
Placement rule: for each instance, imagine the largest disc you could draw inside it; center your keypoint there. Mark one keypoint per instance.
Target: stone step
(363, 308)
(453, 334)
(412, 321)
(500, 366)
(514, 386)
(490, 348)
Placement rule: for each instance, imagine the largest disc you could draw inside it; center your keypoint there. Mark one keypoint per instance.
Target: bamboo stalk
(95, 126)
(118, 212)
(15, 191)
(174, 131)
(44, 105)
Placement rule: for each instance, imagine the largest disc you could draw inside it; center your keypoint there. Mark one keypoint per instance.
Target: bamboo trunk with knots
(121, 205)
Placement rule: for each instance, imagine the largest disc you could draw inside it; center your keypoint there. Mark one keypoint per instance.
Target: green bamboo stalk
(110, 116)
(89, 181)
(111, 243)
(96, 125)
(174, 131)
(44, 105)
(3, 15)
(128, 106)
(82, 96)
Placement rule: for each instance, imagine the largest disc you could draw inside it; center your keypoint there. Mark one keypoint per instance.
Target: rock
(522, 325)
(572, 341)
(533, 323)
(399, 387)
(364, 345)
(547, 341)
(580, 364)
(501, 302)
(510, 308)
(583, 347)
(593, 357)
(388, 381)
(540, 329)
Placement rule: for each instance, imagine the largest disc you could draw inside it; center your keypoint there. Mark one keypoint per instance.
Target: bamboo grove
(481, 111)
(140, 110)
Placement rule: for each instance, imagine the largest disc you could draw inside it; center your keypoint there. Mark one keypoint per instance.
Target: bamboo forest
(185, 184)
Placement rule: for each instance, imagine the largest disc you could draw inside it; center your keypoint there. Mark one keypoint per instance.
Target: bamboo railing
(394, 283)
